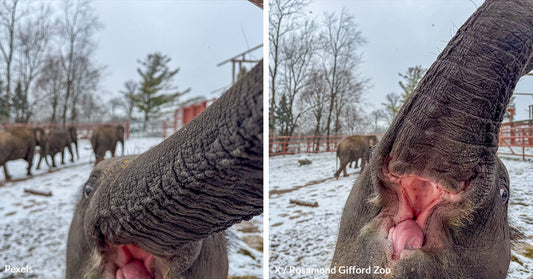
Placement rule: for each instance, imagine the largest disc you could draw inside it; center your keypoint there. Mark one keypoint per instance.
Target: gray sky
(402, 34)
(196, 35)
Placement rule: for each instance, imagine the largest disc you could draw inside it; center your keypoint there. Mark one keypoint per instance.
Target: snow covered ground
(34, 228)
(305, 237)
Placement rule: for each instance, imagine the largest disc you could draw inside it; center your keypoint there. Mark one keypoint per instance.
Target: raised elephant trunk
(201, 180)
(458, 106)
(433, 201)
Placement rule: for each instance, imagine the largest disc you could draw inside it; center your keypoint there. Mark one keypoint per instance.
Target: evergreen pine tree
(156, 88)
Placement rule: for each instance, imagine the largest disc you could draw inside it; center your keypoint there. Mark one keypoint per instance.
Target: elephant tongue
(406, 235)
(133, 270)
(133, 263)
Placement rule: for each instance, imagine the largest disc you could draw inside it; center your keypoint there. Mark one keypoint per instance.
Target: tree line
(48, 72)
(47, 69)
(315, 85)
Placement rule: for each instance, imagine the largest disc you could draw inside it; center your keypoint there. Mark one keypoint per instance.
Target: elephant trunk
(201, 180)
(453, 117)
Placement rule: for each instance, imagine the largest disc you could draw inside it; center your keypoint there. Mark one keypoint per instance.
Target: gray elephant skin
(105, 138)
(73, 133)
(351, 149)
(432, 203)
(56, 141)
(162, 214)
(19, 143)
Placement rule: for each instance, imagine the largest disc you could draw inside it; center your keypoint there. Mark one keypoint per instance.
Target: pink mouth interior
(417, 196)
(133, 263)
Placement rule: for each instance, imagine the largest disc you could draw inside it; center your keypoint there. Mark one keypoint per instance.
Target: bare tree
(297, 51)
(353, 116)
(9, 17)
(129, 96)
(50, 86)
(339, 41)
(375, 117)
(76, 29)
(92, 109)
(315, 97)
(86, 79)
(115, 103)
(282, 20)
(349, 90)
(392, 105)
(33, 39)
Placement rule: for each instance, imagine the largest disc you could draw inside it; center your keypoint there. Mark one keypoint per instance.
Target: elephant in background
(353, 148)
(73, 133)
(19, 143)
(106, 137)
(162, 214)
(56, 141)
(433, 200)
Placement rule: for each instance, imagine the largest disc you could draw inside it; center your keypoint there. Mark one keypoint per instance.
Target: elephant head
(433, 201)
(161, 214)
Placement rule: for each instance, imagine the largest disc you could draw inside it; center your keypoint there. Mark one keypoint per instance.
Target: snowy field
(34, 228)
(305, 237)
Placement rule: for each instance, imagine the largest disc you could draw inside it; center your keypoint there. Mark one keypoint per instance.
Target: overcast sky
(196, 35)
(402, 34)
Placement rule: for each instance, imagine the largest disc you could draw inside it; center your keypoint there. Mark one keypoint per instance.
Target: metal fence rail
(84, 129)
(302, 144)
(516, 139)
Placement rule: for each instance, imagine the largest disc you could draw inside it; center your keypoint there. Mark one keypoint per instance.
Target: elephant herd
(21, 142)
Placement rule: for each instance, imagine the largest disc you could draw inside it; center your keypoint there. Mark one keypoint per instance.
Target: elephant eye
(504, 195)
(87, 189)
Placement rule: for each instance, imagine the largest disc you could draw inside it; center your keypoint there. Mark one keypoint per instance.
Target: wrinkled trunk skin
(173, 200)
(443, 145)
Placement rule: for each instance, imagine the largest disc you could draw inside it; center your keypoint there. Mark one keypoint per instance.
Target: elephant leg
(344, 171)
(113, 150)
(53, 162)
(8, 177)
(39, 162)
(71, 153)
(29, 159)
(341, 168)
(63, 156)
(356, 163)
(350, 165)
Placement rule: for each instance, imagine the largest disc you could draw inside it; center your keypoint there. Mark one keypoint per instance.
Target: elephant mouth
(130, 262)
(412, 221)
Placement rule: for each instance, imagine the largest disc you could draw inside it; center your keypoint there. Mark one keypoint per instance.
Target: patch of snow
(305, 237)
(34, 228)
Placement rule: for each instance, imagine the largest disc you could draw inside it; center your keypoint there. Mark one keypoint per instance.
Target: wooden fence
(302, 144)
(516, 139)
(84, 129)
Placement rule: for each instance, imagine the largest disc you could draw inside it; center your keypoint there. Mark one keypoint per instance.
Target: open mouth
(412, 226)
(129, 262)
